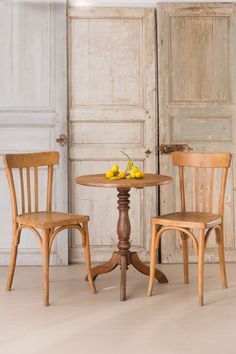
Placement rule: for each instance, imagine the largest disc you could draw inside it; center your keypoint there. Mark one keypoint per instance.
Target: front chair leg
(153, 255)
(201, 251)
(14, 249)
(46, 256)
(88, 259)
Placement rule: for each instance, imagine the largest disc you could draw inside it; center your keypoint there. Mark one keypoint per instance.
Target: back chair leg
(88, 259)
(185, 258)
(201, 251)
(153, 259)
(14, 249)
(46, 256)
(222, 258)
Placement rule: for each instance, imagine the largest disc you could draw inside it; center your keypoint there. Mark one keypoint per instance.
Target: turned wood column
(123, 232)
(123, 224)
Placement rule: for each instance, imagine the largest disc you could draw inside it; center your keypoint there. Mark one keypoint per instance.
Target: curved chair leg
(46, 256)
(201, 251)
(153, 255)
(222, 257)
(15, 243)
(185, 258)
(88, 259)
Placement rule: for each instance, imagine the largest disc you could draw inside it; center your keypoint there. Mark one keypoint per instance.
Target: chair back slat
(36, 190)
(49, 188)
(204, 166)
(211, 192)
(22, 190)
(204, 189)
(28, 188)
(182, 188)
(24, 163)
(196, 185)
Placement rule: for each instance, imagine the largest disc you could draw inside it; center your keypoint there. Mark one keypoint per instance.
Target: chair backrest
(204, 166)
(24, 163)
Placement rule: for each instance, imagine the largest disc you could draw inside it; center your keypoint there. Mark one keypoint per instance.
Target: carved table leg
(124, 257)
(105, 267)
(143, 268)
(123, 232)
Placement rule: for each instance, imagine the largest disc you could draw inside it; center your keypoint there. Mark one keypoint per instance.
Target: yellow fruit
(122, 174)
(139, 174)
(109, 174)
(135, 169)
(132, 174)
(115, 168)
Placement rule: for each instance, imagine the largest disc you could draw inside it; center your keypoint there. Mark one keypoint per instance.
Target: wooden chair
(203, 219)
(49, 222)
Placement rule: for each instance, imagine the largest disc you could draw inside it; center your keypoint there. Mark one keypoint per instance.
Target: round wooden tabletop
(149, 180)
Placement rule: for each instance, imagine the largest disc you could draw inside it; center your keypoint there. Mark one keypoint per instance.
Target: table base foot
(144, 269)
(105, 267)
(124, 260)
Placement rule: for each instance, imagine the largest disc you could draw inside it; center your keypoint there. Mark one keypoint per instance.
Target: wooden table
(124, 257)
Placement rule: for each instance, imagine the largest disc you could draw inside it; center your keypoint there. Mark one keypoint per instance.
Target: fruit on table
(109, 174)
(131, 171)
(115, 168)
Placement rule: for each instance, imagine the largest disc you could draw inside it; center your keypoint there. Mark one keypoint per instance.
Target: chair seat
(50, 219)
(188, 220)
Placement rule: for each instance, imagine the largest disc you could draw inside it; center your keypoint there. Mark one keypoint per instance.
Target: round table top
(149, 180)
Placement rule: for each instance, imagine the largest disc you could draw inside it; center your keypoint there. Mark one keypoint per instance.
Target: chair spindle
(182, 188)
(28, 188)
(22, 190)
(204, 188)
(49, 188)
(211, 194)
(196, 189)
(36, 192)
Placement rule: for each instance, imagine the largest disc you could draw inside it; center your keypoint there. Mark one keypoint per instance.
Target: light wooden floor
(79, 322)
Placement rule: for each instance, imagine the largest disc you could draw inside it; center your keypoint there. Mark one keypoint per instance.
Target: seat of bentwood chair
(203, 166)
(49, 219)
(49, 222)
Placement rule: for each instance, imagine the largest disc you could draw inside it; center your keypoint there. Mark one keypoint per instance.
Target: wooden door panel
(197, 102)
(32, 106)
(112, 58)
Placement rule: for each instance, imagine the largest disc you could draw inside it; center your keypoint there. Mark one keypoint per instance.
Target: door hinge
(62, 140)
(169, 148)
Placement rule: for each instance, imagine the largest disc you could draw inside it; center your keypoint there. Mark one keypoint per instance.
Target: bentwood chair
(204, 167)
(45, 224)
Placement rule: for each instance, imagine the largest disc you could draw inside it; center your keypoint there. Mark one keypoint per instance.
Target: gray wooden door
(197, 100)
(33, 107)
(112, 107)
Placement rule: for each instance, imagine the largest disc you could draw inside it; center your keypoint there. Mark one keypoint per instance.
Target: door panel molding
(112, 55)
(197, 58)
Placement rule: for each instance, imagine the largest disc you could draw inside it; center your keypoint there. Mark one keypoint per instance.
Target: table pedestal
(123, 257)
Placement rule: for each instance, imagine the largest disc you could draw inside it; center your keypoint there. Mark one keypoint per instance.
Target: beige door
(197, 78)
(32, 107)
(112, 107)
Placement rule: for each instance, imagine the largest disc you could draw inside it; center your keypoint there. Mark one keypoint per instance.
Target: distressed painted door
(32, 106)
(197, 97)
(112, 107)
